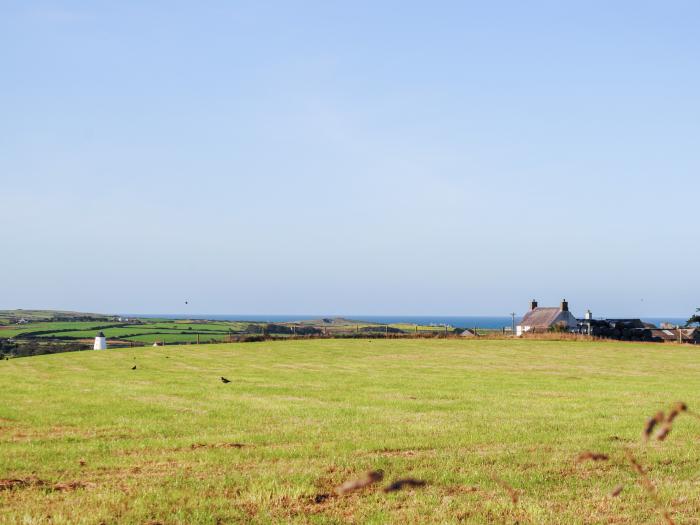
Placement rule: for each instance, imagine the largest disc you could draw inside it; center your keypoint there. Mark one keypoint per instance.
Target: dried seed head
(617, 491)
(651, 424)
(649, 487)
(512, 492)
(593, 456)
(663, 432)
(349, 486)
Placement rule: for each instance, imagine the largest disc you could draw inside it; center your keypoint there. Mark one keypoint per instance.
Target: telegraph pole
(512, 326)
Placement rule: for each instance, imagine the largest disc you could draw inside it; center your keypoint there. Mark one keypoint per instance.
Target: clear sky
(377, 157)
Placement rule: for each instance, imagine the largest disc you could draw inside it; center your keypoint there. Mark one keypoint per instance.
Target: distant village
(540, 319)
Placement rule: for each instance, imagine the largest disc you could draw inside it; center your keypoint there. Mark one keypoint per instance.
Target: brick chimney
(533, 304)
(564, 305)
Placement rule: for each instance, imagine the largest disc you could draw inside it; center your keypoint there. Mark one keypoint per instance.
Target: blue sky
(377, 157)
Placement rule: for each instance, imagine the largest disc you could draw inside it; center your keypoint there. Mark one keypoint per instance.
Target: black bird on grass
(224, 380)
(133, 367)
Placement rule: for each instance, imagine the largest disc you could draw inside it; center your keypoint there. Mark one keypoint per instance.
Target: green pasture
(493, 427)
(170, 332)
(174, 331)
(137, 330)
(199, 327)
(8, 331)
(173, 338)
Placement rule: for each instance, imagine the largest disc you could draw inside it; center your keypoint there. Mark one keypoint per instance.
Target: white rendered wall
(100, 343)
(520, 330)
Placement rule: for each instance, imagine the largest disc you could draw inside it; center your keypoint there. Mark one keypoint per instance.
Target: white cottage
(541, 319)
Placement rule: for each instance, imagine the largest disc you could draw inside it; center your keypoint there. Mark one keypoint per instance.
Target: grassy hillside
(88, 440)
(9, 316)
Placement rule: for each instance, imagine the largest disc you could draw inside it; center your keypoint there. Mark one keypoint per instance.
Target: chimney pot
(564, 305)
(533, 304)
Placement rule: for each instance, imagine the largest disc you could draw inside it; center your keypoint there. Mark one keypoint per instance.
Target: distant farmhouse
(549, 319)
(685, 335)
(545, 319)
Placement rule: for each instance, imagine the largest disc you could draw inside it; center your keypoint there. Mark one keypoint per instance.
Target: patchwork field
(145, 331)
(493, 427)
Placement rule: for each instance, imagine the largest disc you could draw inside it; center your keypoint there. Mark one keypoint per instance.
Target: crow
(224, 380)
(133, 367)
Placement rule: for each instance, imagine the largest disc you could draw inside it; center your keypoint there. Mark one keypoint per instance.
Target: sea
(459, 321)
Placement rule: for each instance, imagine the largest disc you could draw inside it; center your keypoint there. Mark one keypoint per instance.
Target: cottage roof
(541, 317)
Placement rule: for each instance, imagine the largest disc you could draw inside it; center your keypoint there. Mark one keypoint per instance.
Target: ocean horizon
(459, 321)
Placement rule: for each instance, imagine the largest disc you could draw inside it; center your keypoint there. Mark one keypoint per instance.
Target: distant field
(478, 420)
(176, 338)
(43, 315)
(223, 327)
(18, 330)
(172, 331)
(149, 331)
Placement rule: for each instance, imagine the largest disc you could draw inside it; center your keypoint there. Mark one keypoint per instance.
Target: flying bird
(224, 380)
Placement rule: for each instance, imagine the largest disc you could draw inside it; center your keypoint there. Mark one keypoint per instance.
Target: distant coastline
(466, 321)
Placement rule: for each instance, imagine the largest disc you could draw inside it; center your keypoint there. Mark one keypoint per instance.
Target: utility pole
(512, 326)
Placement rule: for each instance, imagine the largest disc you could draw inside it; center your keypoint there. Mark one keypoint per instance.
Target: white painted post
(100, 342)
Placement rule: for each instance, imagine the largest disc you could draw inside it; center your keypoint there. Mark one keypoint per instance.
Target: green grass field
(18, 330)
(150, 331)
(96, 442)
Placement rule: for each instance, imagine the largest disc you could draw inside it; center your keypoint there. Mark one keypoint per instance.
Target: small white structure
(100, 342)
